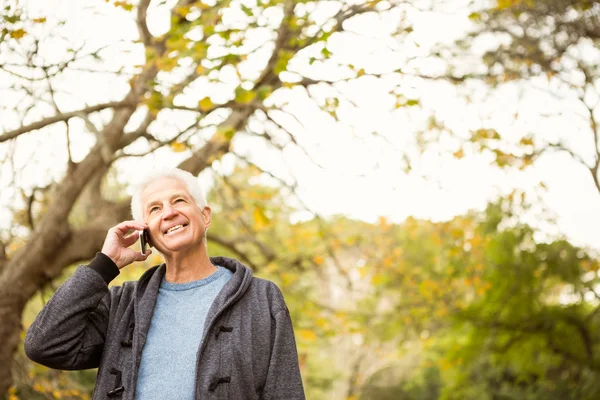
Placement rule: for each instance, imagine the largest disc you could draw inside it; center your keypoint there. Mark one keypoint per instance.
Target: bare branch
(58, 112)
(283, 36)
(232, 245)
(62, 117)
(218, 145)
(154, 143)
(141, 131)
(145, 34)
(293, 139)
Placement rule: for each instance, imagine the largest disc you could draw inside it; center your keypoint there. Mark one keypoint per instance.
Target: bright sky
(361, 175)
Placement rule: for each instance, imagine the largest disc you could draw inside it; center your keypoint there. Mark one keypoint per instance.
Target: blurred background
(420, 178)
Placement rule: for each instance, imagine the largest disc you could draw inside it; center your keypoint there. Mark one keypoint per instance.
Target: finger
(131, 239)
(143, 257)
(124, 227)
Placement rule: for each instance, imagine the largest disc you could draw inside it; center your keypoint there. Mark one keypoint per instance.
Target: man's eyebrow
(179, 194)
(152, 203)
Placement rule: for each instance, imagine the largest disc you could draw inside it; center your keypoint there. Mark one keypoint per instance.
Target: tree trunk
(54, 246)
(11, 309)
(24, 276)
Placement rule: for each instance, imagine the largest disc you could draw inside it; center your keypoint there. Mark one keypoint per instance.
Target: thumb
(143, 256)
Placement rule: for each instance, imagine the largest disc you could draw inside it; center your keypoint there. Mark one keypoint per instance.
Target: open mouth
(174, 228)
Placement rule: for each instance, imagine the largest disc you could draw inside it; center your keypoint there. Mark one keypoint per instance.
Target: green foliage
(488, 312)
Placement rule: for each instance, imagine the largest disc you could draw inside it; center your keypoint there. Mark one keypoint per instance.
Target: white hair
(190, 181)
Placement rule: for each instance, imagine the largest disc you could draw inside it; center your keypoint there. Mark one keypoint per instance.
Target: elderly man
(195, 327)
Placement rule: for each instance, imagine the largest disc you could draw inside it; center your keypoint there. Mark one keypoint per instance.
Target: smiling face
(175, 221)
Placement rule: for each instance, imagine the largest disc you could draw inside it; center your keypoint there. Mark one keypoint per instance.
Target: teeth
(174, 228)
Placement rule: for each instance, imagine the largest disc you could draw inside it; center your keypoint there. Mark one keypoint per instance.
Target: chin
(178, 245)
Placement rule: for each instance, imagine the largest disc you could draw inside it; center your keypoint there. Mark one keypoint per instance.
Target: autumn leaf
(307, 335)
(260, 218)
(526, 141)
(284, 58)
(182, 11)
(200, 69)
(475, 16)
(226, 131)
(244, 96)
(17, 34)
(264, 92)
(205, 104)
(124, 5)
(459, 154)
(178, 147)
(166, 64)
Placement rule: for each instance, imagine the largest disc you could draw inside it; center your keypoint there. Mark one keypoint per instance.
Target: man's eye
(179, 200)
(153, 209)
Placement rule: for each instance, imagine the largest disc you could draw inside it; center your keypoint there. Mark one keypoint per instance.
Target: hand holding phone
(118, 241)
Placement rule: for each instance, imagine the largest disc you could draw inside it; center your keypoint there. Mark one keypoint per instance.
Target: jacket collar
(149, 283)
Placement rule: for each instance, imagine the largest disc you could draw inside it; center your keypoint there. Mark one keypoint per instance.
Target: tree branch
(232, 245)
(61, 117)
(142, 25)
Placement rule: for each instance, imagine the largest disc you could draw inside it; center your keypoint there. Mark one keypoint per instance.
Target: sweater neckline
(193, 284)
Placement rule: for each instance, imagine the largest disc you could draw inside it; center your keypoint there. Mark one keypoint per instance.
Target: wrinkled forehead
(162, 189)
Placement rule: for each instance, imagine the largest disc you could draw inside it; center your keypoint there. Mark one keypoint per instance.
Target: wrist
(116, 260)
(104, 266)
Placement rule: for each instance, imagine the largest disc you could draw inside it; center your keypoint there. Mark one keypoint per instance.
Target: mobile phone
(144, 240)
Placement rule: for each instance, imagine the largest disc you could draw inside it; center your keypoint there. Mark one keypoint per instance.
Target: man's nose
(168, 212)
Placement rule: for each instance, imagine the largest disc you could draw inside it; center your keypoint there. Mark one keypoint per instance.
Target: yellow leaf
(378, 279)
(205, 104)
(183, 11)
(39, 20)
(459, 154)
(321, 322)
(526, 141)
(244, 96)
(260, 218)
(502, 4)
(166, 64)
(226, 132)
(307, 334)
(360, 72)
(124, 5)
(178, 147)
(318, 260)
(17, 34)
(475, 16)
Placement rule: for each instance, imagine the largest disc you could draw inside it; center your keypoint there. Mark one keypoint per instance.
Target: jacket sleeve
(283, 377)
(70, 330)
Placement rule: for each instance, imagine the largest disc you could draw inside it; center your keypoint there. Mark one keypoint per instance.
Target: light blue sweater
(168, 366)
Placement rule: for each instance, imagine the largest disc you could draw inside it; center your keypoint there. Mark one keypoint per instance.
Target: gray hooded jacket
(248, 350)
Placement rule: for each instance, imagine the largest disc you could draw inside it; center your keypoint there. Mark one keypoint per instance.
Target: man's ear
(207, 215)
